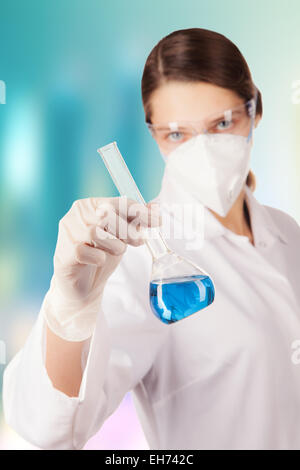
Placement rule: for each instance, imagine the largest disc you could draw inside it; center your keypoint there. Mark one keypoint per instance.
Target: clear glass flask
(178, 287)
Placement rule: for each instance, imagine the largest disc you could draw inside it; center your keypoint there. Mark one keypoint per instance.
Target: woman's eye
(175, 136)
(223, 125)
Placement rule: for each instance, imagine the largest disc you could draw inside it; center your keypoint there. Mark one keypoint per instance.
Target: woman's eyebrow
(183, 123)
(223, 113)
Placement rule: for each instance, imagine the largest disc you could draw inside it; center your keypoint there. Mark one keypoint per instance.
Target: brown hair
(197, 54)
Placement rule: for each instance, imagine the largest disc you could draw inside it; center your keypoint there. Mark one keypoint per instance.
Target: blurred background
(72, 71)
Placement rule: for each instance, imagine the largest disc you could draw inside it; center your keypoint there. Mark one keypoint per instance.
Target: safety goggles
(238, 120)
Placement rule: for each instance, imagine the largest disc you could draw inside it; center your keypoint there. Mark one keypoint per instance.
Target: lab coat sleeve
(125, 342)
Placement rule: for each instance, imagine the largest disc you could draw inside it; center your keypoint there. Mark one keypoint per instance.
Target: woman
(222, 378)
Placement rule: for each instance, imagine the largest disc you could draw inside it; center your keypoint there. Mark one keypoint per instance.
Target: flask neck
(157, 245)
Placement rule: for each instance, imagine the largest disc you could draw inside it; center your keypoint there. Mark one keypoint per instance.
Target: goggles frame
(250, 105)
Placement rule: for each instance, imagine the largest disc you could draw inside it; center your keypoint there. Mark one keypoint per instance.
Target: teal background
(72, 70)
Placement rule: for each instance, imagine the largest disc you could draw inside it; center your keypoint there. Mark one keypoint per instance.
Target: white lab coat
(223, 378)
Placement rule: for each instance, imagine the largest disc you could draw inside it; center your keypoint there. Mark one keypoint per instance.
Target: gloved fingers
(123, 218)
(130, 233)
(148, 215)
(105, 240)
(108, 220)
(108, 213)
(129, 209)
(137, 233)
(155, 212)
(85, 254)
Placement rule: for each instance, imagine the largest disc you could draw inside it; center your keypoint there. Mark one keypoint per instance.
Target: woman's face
(191, 101)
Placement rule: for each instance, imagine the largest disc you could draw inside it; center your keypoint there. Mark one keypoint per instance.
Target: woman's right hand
(92, 238)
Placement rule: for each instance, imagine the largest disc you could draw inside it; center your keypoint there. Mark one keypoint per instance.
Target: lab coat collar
(262, 222)
(264, 228)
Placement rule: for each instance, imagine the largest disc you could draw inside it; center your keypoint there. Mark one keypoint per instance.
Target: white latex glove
(92, 238)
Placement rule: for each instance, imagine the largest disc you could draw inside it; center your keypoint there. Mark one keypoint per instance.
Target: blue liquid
(177, 298)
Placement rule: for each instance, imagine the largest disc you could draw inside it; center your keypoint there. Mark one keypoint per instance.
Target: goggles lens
(237, 121)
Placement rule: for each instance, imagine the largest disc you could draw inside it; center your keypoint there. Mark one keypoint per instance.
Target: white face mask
(212, 167)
